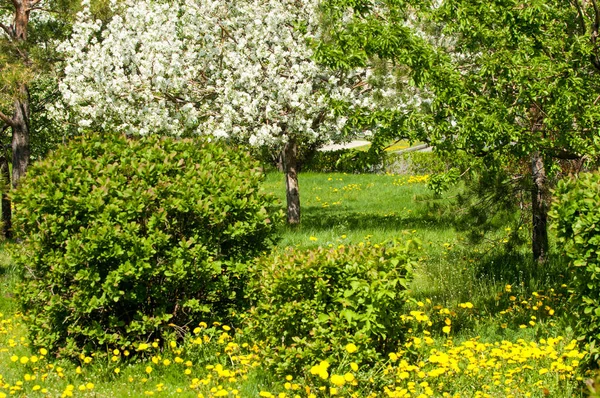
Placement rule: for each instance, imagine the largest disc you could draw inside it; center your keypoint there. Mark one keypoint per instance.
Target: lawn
(484, 320)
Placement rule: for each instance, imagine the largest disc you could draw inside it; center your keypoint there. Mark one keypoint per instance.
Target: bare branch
(594, 35)
(4, 129)
(7, 29)
(7, 119)
(596, 18)
(581, 17)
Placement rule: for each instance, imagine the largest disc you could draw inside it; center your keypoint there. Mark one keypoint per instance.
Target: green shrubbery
(576, 215)
(126, 240)
(311, 304)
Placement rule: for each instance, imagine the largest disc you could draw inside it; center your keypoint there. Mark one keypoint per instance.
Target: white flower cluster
(241, 69)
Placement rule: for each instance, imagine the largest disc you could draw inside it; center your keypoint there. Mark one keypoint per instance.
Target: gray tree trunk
(20, 137)
(290, 160)
(539, 207)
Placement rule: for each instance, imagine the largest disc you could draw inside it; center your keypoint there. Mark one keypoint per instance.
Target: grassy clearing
(485, 321)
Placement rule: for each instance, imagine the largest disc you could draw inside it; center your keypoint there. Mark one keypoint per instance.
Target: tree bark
(290, 160)
(539, 202)
(6, 205)
(20, 136)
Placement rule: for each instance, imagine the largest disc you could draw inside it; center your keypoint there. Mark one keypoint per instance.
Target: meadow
(483, 320)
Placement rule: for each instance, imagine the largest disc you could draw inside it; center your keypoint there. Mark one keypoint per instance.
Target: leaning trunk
(539, 201)
(20, 137)
(290, 160)
(6, 209)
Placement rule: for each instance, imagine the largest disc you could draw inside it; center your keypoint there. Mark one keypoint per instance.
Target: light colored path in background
(359, 143)
(347, 145)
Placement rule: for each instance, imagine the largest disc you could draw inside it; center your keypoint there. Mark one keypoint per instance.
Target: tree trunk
(6, 206)
(20, 136)
(290, 160)
(539, 202)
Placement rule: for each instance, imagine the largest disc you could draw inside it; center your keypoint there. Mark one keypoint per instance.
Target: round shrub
(309, 305)
(126, 240)
(576, 215)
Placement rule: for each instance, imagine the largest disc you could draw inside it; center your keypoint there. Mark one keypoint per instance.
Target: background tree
(29, 33)
(510, 82)
(521, 87)
(242, 71)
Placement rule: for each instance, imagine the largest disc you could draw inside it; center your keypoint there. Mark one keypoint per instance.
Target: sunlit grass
(485, 320)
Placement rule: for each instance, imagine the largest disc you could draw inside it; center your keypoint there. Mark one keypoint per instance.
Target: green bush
(311, 304)
(576, 215)
(126, 240)
(345, 161)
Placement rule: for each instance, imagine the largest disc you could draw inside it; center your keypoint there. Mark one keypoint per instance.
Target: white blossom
(238, 69)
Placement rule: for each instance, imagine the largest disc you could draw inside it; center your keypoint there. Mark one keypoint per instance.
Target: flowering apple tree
(242, 70)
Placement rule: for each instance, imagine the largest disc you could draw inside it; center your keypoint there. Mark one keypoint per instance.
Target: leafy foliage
(576, 214)
(125, 238)
(345, 161)
(311, 304)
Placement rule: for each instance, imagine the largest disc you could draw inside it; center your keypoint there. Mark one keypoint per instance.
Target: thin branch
(596, 19)
(581, 17)
(565, 155)
(7, 29)
(594, 35)
(3, 129)
(7, 119)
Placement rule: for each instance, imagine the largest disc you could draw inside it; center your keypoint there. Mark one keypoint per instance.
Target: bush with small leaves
(309, 305)
(126, 239)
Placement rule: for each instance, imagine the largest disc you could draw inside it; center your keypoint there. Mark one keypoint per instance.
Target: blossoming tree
(243, 71)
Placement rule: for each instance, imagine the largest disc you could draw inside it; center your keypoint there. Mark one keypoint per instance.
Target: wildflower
(313, 238)
(351, 348)
(338, 380)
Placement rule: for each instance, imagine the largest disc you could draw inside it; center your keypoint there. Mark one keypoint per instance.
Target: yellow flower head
(351, 348)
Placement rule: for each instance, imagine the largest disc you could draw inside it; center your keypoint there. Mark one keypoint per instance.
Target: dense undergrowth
(478, 319)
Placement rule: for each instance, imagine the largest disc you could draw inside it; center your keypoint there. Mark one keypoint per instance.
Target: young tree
(513, 82)
(243, 71)
(524, 88)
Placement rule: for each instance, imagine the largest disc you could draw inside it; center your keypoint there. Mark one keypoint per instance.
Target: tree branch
(7, 29)
(594, 34)
(565, 155)
(7, 119)
(581, 17)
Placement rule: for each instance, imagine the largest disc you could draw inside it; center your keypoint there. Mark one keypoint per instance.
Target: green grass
(344, 209)
(361, 205)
